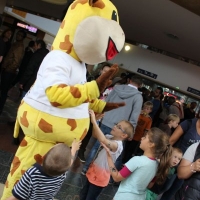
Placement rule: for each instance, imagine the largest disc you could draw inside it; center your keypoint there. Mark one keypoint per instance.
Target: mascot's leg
(29, 152)
(41, 131)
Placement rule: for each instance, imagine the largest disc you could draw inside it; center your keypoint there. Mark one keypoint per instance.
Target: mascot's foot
(16, 141)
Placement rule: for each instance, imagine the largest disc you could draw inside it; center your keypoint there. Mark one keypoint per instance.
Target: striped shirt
(35, 184)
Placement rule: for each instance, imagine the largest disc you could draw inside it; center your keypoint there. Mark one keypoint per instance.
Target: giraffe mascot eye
(55, 110)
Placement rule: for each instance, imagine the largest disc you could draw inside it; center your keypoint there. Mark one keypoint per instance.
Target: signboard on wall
(193, 91)
(147, 73)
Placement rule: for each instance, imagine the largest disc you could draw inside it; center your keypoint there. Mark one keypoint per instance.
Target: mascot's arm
(64, 96)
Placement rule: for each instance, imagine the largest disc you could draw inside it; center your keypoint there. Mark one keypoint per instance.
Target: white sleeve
(190, 152)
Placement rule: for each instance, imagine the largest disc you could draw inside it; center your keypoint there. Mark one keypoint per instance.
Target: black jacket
(30, 74)
(190, 189)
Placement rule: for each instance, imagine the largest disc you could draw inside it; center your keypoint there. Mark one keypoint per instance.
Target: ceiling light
(127, 48)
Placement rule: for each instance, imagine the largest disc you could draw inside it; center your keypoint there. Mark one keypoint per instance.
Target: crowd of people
(149, 145)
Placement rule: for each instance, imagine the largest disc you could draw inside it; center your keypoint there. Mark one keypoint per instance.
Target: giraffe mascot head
(56, 107)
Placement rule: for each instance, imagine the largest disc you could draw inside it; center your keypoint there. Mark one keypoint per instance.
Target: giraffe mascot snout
(56, 107)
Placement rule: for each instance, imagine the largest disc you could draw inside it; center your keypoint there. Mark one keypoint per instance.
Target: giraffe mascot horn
(56, 107)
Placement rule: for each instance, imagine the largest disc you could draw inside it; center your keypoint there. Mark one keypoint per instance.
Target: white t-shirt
(190, 152)
(99, 172)
(134, 186)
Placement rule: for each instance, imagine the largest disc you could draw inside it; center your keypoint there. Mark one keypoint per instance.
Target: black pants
(86, 139)
(90, 191)
(6, 81)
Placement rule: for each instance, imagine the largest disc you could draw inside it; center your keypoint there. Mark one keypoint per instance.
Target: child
(98, 174)
(172, 121)
(44, 181)
(140, 170)
(143, 125)
(156, 189)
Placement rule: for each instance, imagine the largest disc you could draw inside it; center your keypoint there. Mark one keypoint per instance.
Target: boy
(44, 181)
(156, 189)
(98, 174)
(143, 125)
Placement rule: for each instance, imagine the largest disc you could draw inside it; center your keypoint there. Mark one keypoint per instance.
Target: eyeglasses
(119, 127)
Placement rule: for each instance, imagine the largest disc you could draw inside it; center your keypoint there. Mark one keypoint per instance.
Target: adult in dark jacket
(189, 169)
(30, 74)
(30, 49)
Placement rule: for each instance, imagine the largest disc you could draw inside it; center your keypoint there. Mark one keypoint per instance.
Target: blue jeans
(106, 130)
(90, 191)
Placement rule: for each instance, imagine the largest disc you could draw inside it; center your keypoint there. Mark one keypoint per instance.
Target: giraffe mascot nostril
(56, 107)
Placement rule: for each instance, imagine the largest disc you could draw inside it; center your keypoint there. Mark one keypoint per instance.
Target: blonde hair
(129, 129)
(172, 117)
(57, 160)
(148, 104)
(162, 150)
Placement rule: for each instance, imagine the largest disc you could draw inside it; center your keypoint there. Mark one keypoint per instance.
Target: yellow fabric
(77, 12)
(81, 94)
(37, 142)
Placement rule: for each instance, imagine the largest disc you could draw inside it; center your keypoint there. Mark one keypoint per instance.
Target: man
(32, 68)
(10, 65)
(177, 108)
(133, 105)
(158, 92)
(189, 113)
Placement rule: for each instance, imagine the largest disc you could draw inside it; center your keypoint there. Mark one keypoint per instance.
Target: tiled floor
(74, 181)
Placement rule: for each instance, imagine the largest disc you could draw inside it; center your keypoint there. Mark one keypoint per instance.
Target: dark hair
(171, 100)
(5, 31)
(136, 79)
(42, 43)
(161, 90)
(23, 32)
(162, 151)
(57, 160)
(105, 64)
(31, 43)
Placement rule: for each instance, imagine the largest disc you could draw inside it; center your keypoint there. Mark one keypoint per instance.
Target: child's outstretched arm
(113, 170)
(75, 147)
(97, 133)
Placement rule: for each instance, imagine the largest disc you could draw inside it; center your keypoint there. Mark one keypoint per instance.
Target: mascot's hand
(104, 80)
(111, 106)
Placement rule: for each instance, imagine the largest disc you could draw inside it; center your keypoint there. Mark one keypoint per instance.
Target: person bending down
(44, 181)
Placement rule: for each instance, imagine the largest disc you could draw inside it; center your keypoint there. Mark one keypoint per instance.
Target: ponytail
(162, 150)
(164, 165)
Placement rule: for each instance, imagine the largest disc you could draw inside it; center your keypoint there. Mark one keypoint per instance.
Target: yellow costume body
(56, 107)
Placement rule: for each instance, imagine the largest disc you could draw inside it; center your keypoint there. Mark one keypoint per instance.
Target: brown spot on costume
(72, 124)
(16, 163)
(45, 126)
(24, 120)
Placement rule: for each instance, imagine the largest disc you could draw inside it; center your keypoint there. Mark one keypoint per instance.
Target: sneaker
(83, 172)
(81, 156)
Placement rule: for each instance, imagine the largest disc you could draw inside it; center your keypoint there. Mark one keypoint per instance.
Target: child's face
(144, 142)
(147, 109)
(119, 129)
(176, 158)
(175, 123)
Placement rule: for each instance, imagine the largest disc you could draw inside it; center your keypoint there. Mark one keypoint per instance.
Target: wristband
(193, 171)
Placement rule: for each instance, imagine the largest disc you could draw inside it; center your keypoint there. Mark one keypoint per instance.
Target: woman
(189, 169)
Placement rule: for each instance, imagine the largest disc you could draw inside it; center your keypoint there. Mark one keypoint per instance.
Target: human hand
(92, 116)
(99, 116)
(196, 165)
(76, 145)
(107, 149)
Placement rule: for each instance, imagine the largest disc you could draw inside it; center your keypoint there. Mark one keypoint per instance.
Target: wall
(170, 71)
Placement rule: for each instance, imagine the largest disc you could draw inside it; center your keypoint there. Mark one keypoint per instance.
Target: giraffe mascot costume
(56, 107)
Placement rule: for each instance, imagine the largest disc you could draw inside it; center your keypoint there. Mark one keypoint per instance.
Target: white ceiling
(148, 21)
(143, 21)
